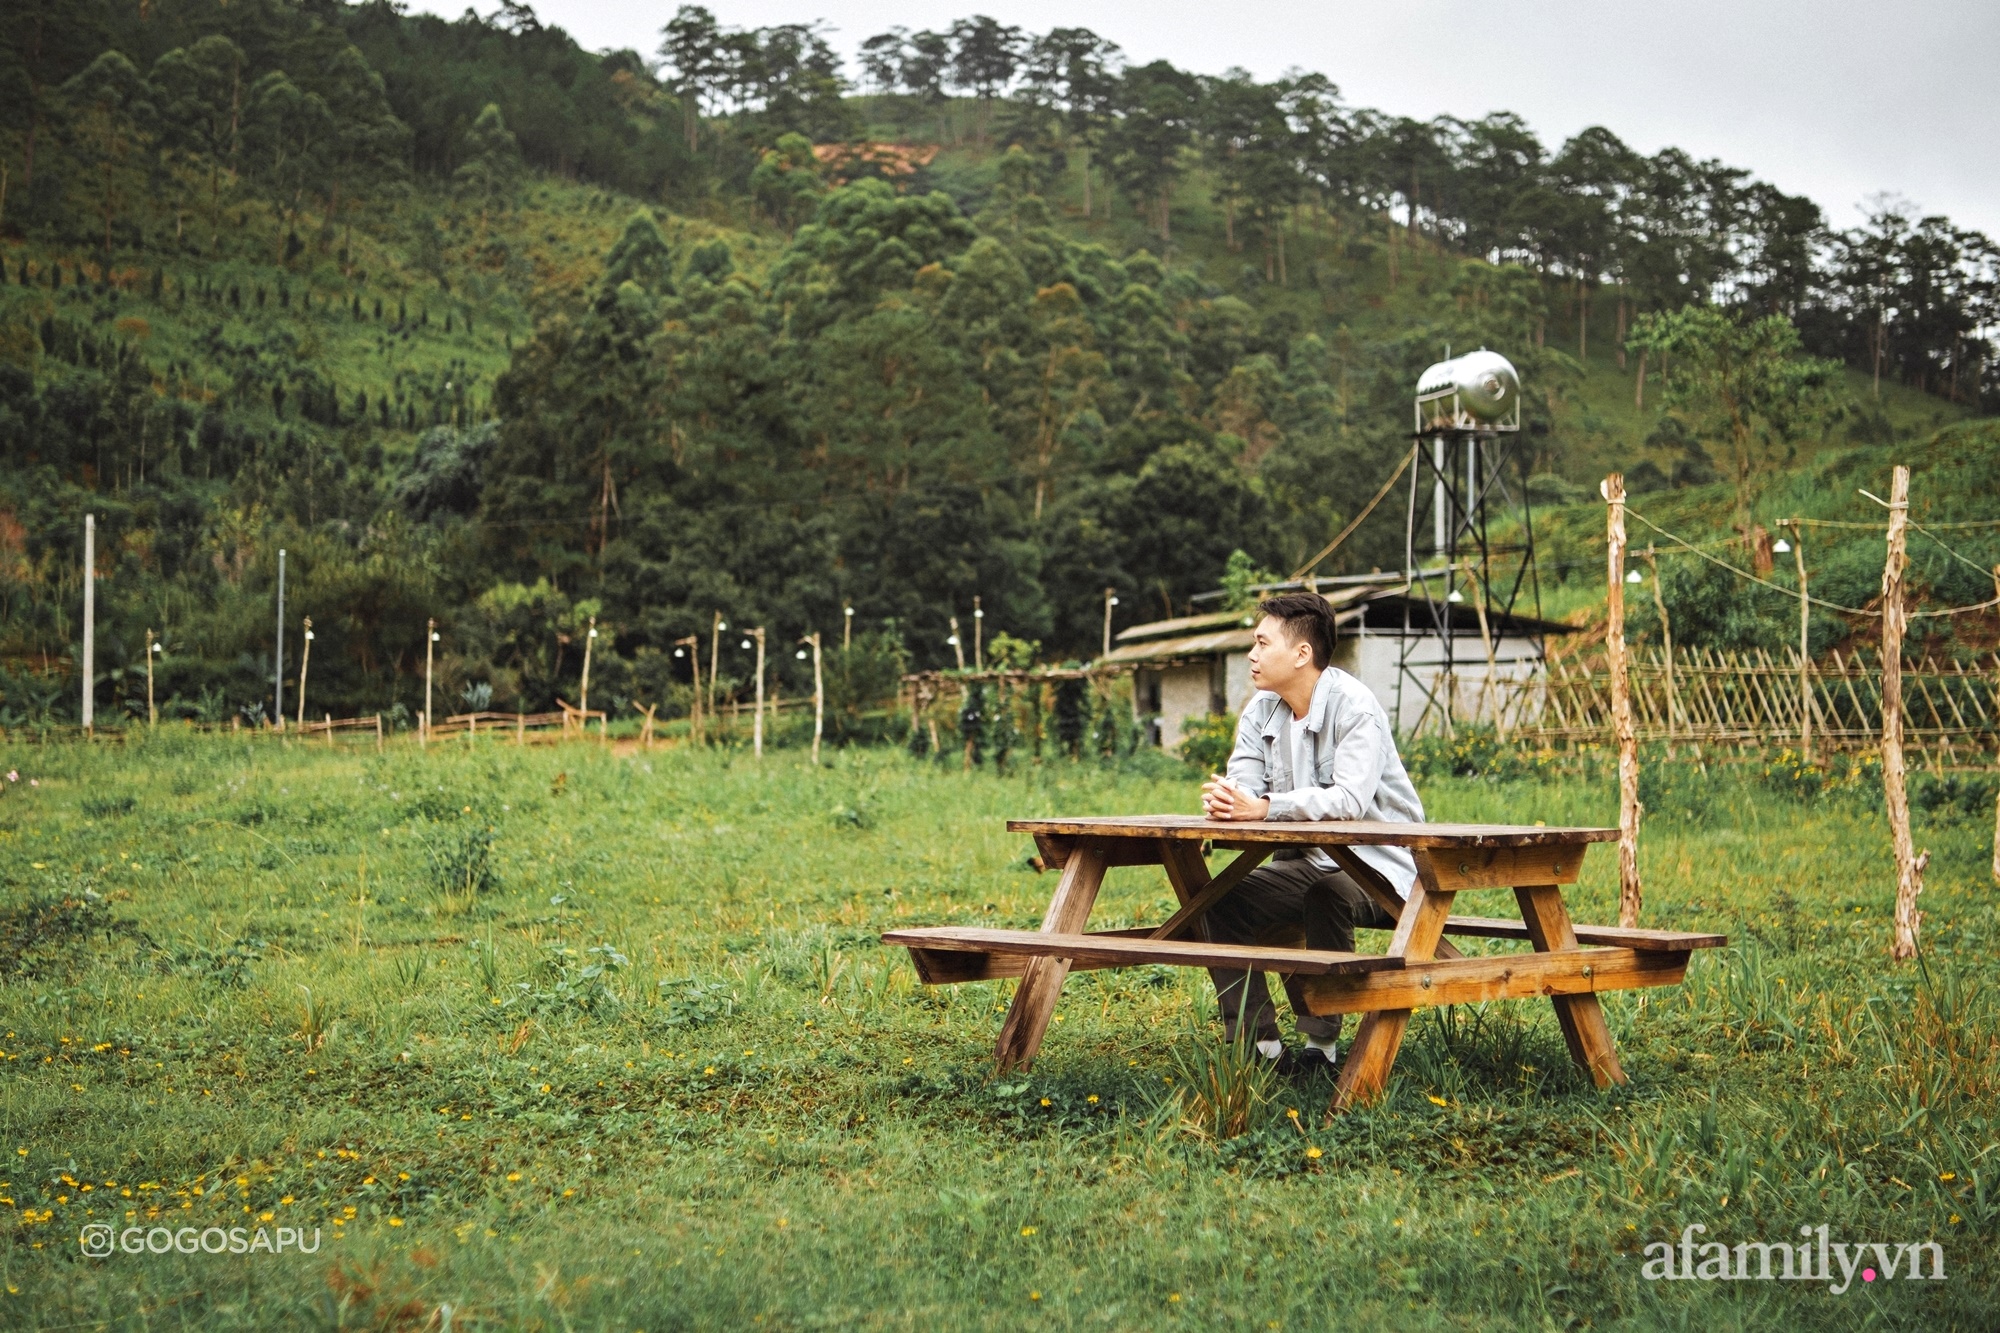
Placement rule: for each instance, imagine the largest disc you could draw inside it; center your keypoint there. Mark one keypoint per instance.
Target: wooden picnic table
(1569, 964)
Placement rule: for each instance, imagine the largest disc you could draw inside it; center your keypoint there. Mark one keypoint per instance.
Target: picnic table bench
(1570, 963)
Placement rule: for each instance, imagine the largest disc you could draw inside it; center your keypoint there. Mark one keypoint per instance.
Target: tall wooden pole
(583, 692)
(819, 697)
(89, 623)
(1110, 600)
(1805, 643)
(957, 644)
(278, 654)
(1909, 866)
(430, 642)
(691, 645)
(1613, 491)
(847, 629)
(978, 635)
(757, 723)
(305, 664)
(714, 659)
(152, 713)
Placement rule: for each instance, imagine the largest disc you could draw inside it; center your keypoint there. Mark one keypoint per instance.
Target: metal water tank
(1477, 391)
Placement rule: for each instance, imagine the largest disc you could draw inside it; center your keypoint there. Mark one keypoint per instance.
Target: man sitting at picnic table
(1313, 743)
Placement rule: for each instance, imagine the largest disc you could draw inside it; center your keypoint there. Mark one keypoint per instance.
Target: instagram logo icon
(96, 1238)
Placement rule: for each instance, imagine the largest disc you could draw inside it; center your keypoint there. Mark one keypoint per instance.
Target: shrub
(1952, 796)
(1206, 741)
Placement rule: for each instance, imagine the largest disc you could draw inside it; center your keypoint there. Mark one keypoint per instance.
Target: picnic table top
(1195, 828)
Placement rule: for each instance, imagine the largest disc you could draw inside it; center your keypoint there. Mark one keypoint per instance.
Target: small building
(1196, 665)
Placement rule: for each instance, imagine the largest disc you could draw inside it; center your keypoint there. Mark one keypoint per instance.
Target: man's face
(1276, 659)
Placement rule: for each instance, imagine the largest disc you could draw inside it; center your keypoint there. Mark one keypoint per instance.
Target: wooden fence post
(757, 723)
(305, 664)
(430, 642)
(1909, 866)
(1613, 490)
(819, 699)
(1805, 644)
(378, 733)
(329, 730)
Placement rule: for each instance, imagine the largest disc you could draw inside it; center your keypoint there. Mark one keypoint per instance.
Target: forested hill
(484, 328)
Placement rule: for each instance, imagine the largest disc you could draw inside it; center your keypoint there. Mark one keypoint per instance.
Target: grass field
(562, 1038)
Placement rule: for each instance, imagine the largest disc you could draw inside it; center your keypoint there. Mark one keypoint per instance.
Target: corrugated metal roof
(1159, 629)
(1216, 620)
(1234, 640)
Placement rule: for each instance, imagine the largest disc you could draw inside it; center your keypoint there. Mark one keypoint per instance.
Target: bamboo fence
(1753, 700)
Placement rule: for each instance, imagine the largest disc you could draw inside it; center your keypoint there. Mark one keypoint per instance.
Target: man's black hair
(1308, 619)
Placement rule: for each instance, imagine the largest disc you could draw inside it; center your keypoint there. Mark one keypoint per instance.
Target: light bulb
(1456, 596)
(309, 635)
(979, 615)
(1781, 546)
(593, 634)
(800, 654)
(746, 643)
(680, 652)
(952, 641)
(436, 637)
(1634, 576)
(722, 624)
(1114, 601)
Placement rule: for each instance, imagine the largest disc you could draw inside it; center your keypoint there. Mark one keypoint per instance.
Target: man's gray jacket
(1338, 762)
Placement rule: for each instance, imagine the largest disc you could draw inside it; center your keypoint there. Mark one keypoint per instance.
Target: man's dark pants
(1287, 902)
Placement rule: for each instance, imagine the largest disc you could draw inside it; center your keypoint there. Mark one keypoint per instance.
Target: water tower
(1465, 587)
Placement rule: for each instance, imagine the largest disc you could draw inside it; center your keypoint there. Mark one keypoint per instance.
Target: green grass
(291, 982)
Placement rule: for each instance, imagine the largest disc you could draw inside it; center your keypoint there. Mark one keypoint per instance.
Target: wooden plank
(1581, 1017)
(1365, 1072)
(1055, 850)
(1504, 867)
(1193, 828)
(1511, 977)
(1212, 892)
(947, 967)
(1375, 886)
(1108, 950)
(1041, 985)
(1650, 941)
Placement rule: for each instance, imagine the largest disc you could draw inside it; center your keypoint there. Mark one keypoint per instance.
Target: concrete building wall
(1179, 692)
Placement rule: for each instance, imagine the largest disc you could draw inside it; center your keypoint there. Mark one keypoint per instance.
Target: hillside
(468, 361)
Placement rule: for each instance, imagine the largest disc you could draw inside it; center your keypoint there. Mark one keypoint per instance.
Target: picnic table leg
(1041, 985)
(1580, 1016)
(1187, 872)
(1365, 1072)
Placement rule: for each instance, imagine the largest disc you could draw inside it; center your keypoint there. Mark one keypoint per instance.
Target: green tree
(109, 111)
(287, 132)
(198, 91)
(985, 55)
(692, 46)
(492, 165)
(1158, 105)
(1742, 378)
(787, 181)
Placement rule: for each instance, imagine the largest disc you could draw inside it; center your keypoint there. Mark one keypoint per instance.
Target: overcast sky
(1839, 100)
